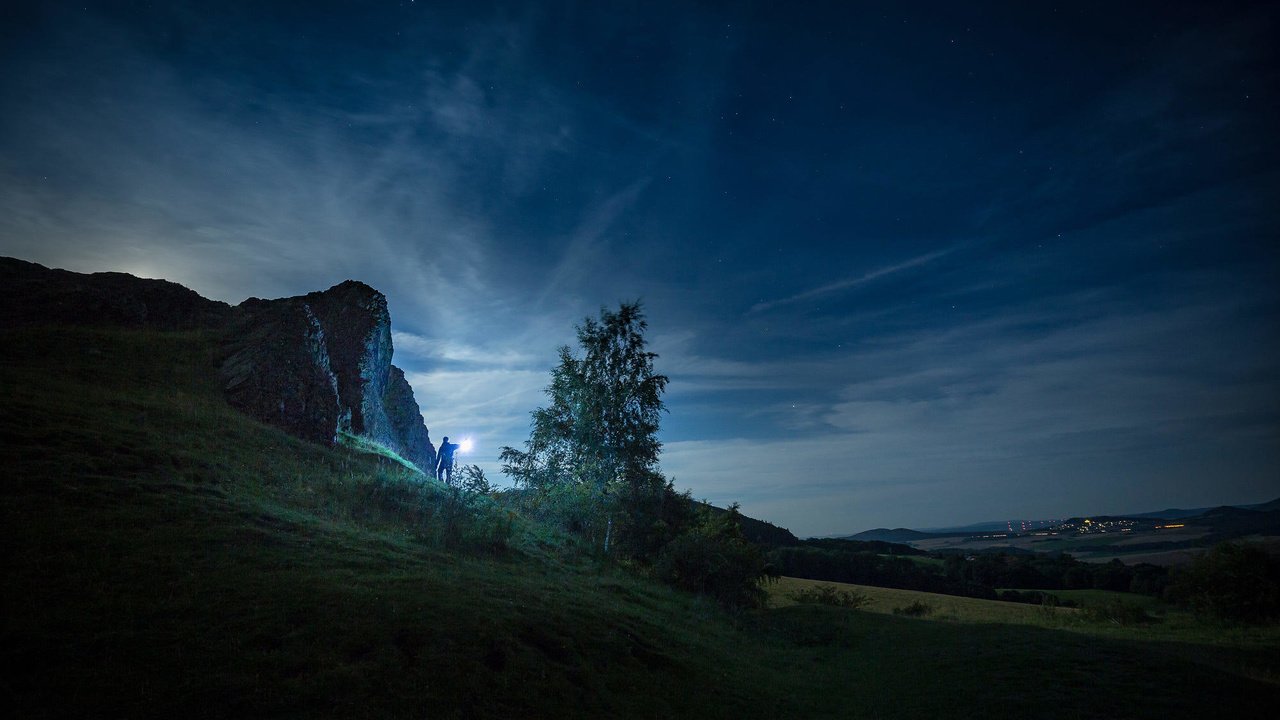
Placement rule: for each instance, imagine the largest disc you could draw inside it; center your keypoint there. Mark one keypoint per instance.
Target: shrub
(574, 509)
(471, 479)
(714, 559)
(830, 595)
(1034, 597)
(915, 609)
(1232, 582)
(1118, 612)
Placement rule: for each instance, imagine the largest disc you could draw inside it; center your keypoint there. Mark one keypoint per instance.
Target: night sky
(906, 264)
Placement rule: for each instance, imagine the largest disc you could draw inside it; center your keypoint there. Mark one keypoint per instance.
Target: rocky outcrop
(319, 365)
(277, 369)
(33, 294)
(406, 421)
(316, 366)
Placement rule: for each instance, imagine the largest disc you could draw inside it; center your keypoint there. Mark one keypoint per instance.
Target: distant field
(1166, 558)
(948, 607)
(920, 559)
(1090, 548)
(1251, 651)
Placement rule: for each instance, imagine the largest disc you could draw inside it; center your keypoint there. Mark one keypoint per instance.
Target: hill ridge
(317, 366)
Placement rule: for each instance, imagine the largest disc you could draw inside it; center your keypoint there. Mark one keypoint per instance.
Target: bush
(1034, 597)
(1233, 582)
(714, 559)
(915, 609)
(830, 595)
(472, 480)
(1118, 612)
(392, 498)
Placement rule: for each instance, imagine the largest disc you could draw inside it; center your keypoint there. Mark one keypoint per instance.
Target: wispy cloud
(852, 282)
(585, 252)
(421, 347)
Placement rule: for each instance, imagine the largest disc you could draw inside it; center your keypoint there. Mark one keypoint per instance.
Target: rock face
(33, 294)
(406, 422)
(277, 369)
(317, 366)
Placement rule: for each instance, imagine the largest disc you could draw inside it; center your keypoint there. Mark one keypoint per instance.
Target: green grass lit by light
(366, 445)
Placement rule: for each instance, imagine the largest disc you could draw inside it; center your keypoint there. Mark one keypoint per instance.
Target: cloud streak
(851, 282)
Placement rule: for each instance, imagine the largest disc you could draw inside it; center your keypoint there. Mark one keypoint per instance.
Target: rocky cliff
(317, 366)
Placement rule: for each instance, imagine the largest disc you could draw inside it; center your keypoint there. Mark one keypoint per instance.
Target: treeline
(756, 531)
(900, 566)
(1056, 572)
(880, 547)
(844, 561)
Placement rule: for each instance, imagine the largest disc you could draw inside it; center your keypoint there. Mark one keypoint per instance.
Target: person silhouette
(444, 461)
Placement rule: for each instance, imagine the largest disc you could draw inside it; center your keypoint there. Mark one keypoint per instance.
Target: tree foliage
(593, 449)
(591, 462)
(472, 480)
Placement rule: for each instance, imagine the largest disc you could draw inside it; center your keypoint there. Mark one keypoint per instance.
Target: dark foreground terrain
(168, 556)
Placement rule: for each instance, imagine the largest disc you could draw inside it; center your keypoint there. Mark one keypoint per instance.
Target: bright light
(465, 445)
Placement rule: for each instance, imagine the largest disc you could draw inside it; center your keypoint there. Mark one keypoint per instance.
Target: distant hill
(317, 366)
(1183, 513)
(760, 531)
(32, 294)
(1170, 513)
(1231, 522)
(896, 535)
(766, 533)
(908, 535)
(1265, 507)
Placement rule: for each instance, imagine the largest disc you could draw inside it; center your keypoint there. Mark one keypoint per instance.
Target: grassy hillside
(169, 557)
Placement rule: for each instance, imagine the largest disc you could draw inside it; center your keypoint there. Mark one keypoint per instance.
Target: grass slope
(170, 557)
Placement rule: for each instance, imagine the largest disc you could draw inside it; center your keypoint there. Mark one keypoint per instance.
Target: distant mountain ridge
(1180, 513)
(1249, 515)
(317, 366)
(896, 535)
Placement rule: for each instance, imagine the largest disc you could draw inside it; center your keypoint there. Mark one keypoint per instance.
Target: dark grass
(887, 666)
(167, 557)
